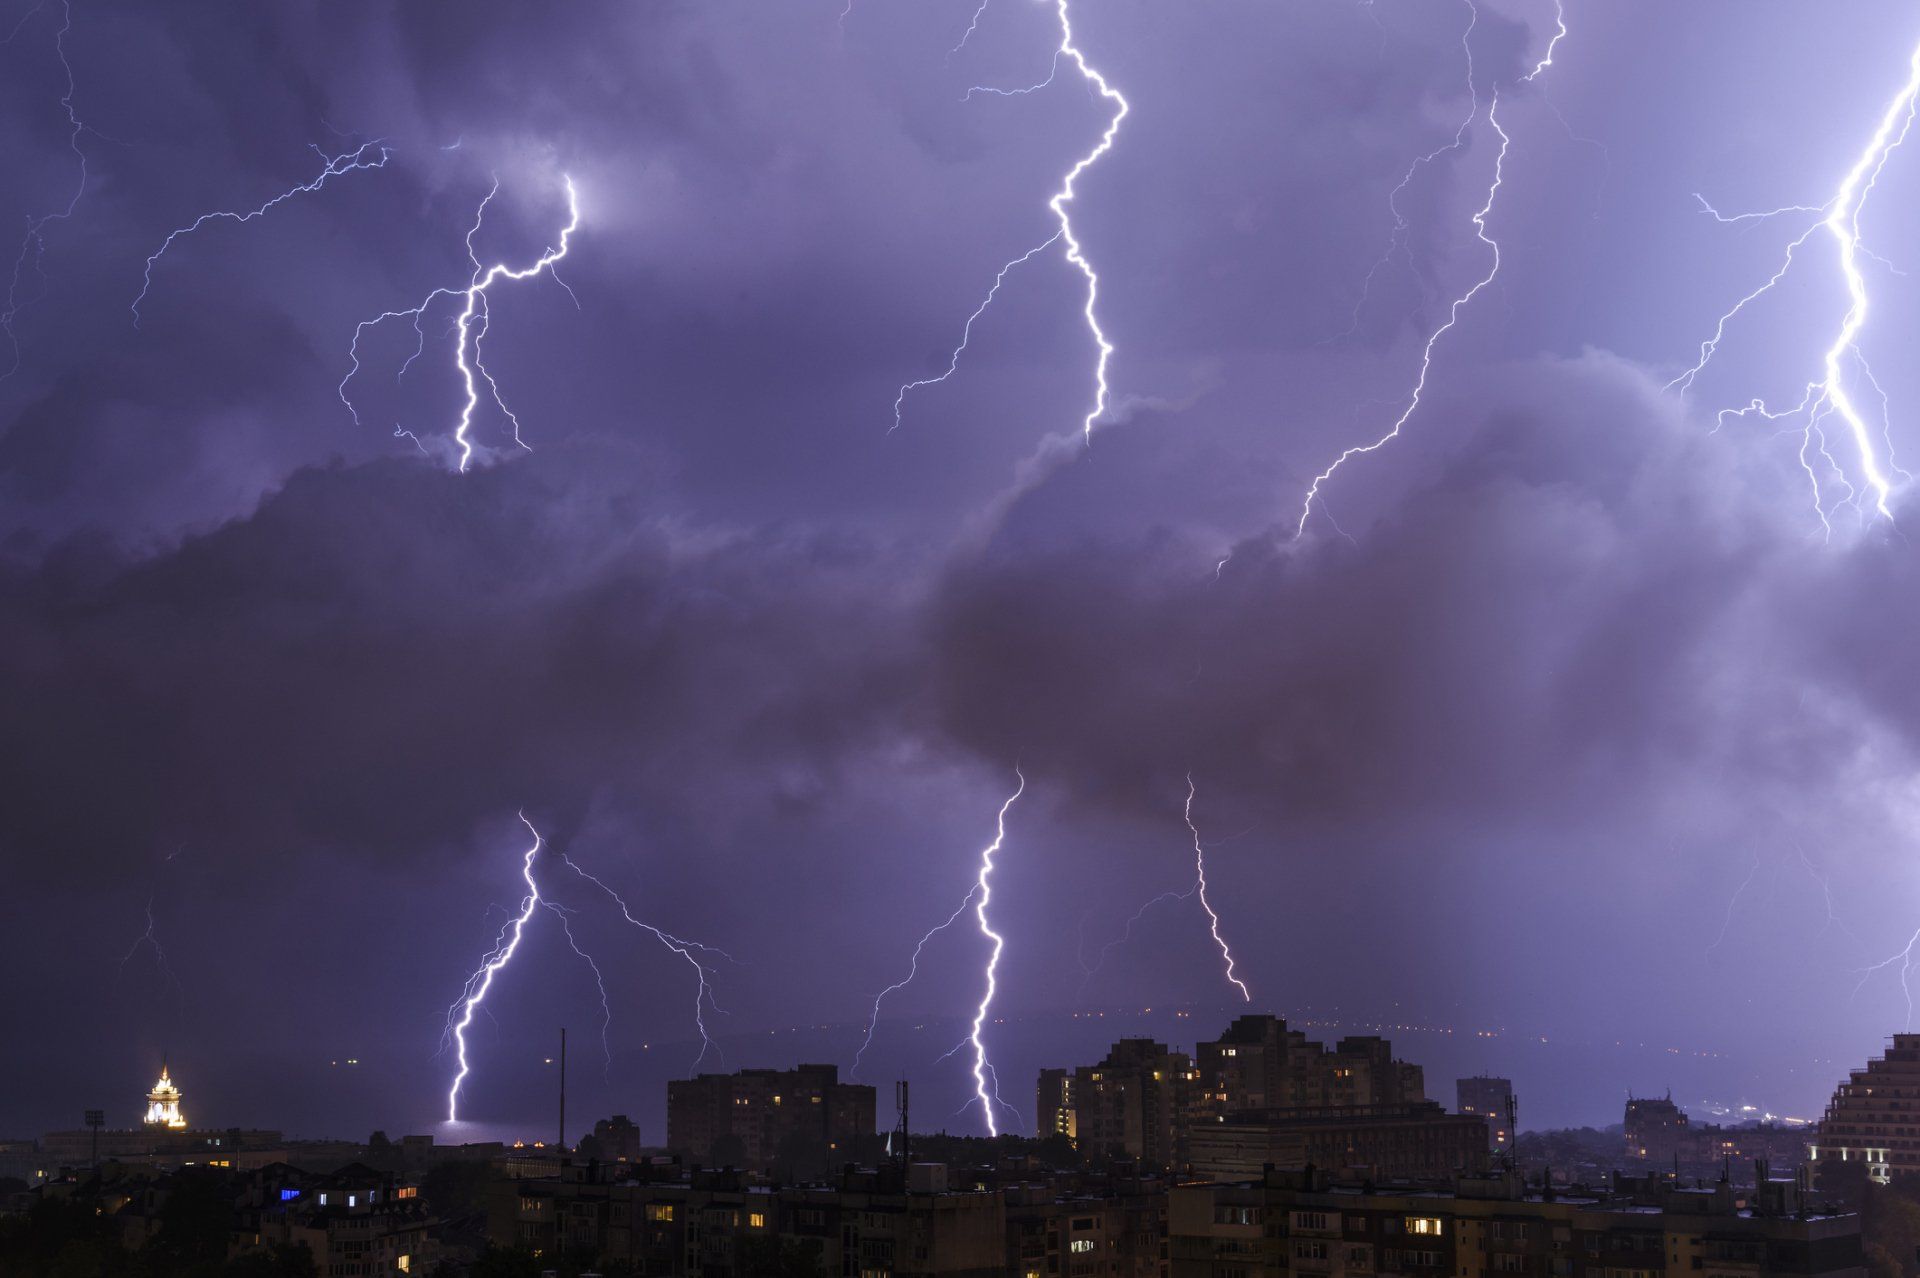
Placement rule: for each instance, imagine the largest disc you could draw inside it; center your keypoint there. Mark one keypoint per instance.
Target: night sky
(1567, 718)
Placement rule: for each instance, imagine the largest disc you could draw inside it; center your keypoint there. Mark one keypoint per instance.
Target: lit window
(660, 1211)
(288, 1195)
(1081, 1245)
(757, 1219)
(1429, 1225)
(404, 1264)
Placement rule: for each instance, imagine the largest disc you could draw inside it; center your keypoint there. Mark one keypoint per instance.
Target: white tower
(163, 1104)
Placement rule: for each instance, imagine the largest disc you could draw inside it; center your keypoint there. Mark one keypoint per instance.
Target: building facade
(1419, 1139)
(1259, 1064)
(1260, 1093)
(719, 1225)
(1134, 1104)
(802, 1119)
(1491, 1099)
(1303, 1223)
(1874, 1117)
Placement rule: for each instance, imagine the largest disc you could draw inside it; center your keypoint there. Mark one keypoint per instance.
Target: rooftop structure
(163, 1104)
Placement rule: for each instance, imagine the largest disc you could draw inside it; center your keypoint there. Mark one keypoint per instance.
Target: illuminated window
(407, 1191)
(1081, 1245)
(660, 1211)
(288, 1195)
(404, 1264)
(1429, 1225)
(756, 1220)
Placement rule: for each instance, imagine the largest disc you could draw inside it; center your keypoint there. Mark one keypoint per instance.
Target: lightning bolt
(1830, 396)
(973, 25)
(1126, 934)
(703, 991)
(1734, 901)
(565, 916)
(150, 938)
(1905, 958)
(1058, 204)
(33, 245)
(1462, 300)
(1398, 243)
(470, 326)
(966, 332)
(334, 165)
(983, 896)
(1200, 889)
(913, 970)
(460, 1015)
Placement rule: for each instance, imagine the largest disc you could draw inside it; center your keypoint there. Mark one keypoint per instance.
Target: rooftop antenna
(903, 1139)
(1513, 1132)
(563, 1089)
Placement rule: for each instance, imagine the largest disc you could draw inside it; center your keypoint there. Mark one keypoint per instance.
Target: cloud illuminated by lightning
(33, 245)
(1461, 301)
(703, 989)
(983, 896)
(470, 326)
(1831, 395)
(335, 165)
(1058, 204)
(460, 1015)
(1200, 888)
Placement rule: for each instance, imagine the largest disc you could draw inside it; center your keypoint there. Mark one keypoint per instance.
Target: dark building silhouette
(1133, 1104)
(1416, 1139)
(614, 1140)
(1301, 1222)
(1487, 1098)
(1260, 1064)
(799, 1119)
(1660, 1133)
(1261, 1093)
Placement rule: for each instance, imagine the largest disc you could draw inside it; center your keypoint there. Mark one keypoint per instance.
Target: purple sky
(1584, 731)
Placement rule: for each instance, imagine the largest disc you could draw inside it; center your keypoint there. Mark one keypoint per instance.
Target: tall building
(801, 1119)
(163, 1104)
(1872, 1117)
(1260, 1093)
(1259, 1064)
(1053, 1108)
(1488, 1098)
(1134, 1103)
